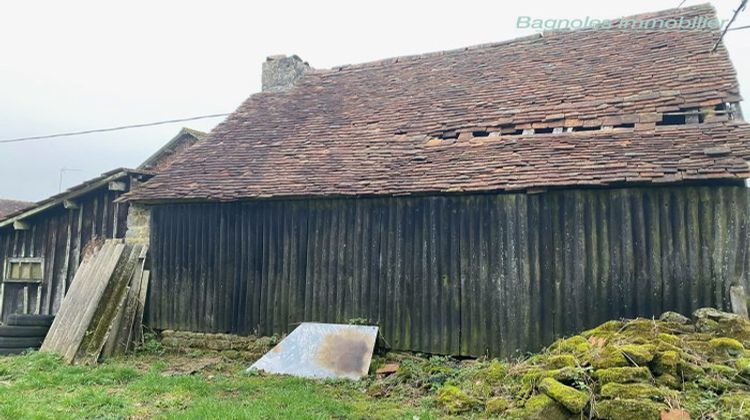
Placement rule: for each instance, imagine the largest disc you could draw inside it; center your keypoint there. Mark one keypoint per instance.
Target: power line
(734, 16)
(105, 130)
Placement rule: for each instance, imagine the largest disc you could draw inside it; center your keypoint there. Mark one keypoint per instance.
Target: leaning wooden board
(85, 313)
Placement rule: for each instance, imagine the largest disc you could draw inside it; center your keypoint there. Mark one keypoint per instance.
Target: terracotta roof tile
(406, 125)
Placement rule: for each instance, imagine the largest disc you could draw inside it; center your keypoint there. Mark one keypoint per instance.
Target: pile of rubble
(672, 367)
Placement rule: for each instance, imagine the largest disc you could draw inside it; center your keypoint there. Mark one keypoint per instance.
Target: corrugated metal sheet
(59, 236)
(453, 274)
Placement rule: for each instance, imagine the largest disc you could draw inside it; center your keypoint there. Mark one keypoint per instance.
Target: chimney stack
(280, 72)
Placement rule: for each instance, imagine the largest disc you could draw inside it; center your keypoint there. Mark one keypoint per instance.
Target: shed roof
(11, 206)
(452, 121)
(102, 181)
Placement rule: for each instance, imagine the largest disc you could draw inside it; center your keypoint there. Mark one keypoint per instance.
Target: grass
(41, 386)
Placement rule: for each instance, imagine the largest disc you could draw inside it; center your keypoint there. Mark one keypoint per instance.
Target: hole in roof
(629, 125)
(543, 130)
(449, 135)
(672, 119)
(593, 128)
(480, 133)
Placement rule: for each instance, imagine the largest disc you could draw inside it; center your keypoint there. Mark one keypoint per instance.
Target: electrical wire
(106, 130)
(734, 16)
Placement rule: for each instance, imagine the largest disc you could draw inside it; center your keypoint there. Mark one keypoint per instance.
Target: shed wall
(467, 275)
(59, 236)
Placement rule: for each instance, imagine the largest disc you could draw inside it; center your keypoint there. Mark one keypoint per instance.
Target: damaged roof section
(565, 109)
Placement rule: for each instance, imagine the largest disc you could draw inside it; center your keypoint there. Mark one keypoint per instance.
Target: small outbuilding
(42, 244)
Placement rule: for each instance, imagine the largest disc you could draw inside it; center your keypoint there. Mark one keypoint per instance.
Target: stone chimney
(280, 72)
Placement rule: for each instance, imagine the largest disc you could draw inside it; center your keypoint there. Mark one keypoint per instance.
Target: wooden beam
(117, 186)
(70, 204)
(21, 225)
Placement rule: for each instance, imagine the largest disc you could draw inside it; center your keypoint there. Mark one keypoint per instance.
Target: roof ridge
(487, 45)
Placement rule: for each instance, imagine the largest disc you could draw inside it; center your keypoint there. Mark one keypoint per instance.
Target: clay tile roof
(11, 206)
(449, 121)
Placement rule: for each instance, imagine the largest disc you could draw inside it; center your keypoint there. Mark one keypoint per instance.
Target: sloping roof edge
(71, 193)
(170, 146)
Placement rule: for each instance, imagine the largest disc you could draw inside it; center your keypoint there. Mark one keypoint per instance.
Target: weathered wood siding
(456, 274)
(59, 236)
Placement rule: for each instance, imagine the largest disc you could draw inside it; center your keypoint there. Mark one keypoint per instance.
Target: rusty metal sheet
(316, 350)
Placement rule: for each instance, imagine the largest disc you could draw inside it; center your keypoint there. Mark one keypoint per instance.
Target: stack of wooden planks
(102, 312)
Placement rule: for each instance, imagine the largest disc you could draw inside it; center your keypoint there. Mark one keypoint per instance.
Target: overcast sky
(70, 65)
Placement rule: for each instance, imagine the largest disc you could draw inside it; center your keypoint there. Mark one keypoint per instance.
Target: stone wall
(138, 225)
(245, 347)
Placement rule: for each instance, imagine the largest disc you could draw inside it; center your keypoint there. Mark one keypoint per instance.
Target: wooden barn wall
(59, 236)
(455, 274)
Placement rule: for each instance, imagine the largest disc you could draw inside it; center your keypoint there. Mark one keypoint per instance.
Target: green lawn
(39, 386)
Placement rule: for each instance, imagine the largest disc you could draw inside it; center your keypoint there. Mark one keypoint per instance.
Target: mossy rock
(610, 356)
(688, 370)
(540, 406)
(726, 347)
(669, 381)
(571, 398)
(674, 317)
(605, 330)
(566, 374)
(639, 331)
(454, 401)
(707, 326)
(722, 370)
(629, 409)
(496, 406)
(635, 391)
(666, 362)
(561, 361)
(640, 354)
(743, 365)
(576, 345)
(622, 375)
(736, 405)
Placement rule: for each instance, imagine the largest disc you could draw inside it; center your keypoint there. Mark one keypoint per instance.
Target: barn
(42, 244)
(477, 201)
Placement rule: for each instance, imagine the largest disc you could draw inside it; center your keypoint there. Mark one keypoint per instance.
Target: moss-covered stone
(743, 365)
(674, 317)
(496, 406)
(722, 370)
(628, 409)
(666, 362)
(724, 347)
(540, 406)
(454, 401)
(576, 345)
(639, 331)
(561, 361)
(669, 381)
(688, 370)
(622, 375)
(610, 356)
(566, 374)
(493, 373)
(571, 398)
(604, 330)
(736, 405)
(639, 354)
(706, 325)
(635, 391)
